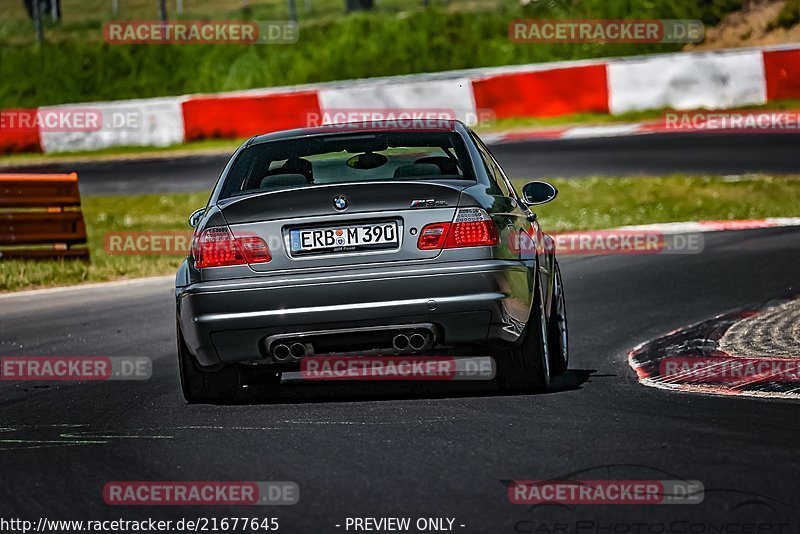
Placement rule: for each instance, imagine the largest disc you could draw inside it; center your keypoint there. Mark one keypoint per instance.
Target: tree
(359, 5)
(46, 7)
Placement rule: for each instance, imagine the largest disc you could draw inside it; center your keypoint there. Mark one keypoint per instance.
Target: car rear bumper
(468, 302)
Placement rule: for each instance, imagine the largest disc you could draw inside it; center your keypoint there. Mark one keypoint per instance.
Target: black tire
(260, 376)
(223, 384)
(557, 329)
(526, 366)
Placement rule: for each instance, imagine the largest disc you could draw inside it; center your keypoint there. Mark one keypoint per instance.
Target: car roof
(404, 125)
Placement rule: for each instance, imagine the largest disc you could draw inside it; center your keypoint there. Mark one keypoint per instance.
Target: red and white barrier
(245, 115)
(782, 73)
(146, 122)
(453, 95)
(687, 81)
(692, 80)
(543, 93)
(18, 133)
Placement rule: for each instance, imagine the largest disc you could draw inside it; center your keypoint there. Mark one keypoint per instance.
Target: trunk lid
(374, 222)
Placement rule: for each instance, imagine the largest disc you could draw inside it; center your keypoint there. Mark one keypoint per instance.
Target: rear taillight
(216, 247)
(471, 227)
(432, 236)
(255, 249)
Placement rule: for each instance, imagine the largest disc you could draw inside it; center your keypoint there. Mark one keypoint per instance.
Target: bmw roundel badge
(340, 202)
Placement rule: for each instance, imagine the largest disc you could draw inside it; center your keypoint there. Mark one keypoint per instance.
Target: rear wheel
(557, 335)
(527, 365)
(200, 385)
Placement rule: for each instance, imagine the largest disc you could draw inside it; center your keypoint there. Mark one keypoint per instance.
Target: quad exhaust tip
(417, 341)
(403, 342)
(281, 352)
(298, 350)
(400, 342)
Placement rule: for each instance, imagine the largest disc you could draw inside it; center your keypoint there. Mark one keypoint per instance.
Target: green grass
(76, 66)
(788, 17)
(593, 203)
(81, 18)
(141, 213)
(582, 204)
(205, 146)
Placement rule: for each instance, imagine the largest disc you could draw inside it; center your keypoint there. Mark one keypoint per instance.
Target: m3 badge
(427, 203)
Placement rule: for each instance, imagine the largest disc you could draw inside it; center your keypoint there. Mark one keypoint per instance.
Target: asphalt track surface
(652, 154)
(435, 450)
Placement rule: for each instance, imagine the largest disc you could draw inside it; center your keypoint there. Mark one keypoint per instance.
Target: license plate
(344, 238)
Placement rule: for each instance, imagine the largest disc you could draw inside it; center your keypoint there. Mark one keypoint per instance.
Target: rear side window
(348, 158)
(496, 177)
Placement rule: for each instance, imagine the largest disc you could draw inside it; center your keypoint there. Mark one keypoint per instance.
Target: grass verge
(77, 66)
(582, 204)
(103, 215)
(592, 203)
(121, 153)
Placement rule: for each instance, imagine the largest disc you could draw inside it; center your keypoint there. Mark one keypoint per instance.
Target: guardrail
(721, 79)
(41, 218)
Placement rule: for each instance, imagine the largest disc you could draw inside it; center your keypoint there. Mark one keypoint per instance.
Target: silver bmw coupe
(378, 238)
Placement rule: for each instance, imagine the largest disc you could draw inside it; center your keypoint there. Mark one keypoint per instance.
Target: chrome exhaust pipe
(281, 352)
(400, 342)
(298, 350)
(417, 341)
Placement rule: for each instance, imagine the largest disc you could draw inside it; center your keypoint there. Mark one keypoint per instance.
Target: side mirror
(538, 193)
(194, 218)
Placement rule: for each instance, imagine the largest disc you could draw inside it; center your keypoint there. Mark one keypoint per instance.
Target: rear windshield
(348, 158)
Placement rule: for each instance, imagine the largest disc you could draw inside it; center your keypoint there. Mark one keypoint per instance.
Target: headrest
(297, 165)
(417, 169)
(279, 181)
(446, 165)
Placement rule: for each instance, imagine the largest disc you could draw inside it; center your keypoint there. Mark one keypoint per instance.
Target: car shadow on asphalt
(353, 391)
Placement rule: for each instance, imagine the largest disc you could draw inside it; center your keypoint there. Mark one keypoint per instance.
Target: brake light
(216, 247)
(432, 236)
(255, 249)
(471, 227)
